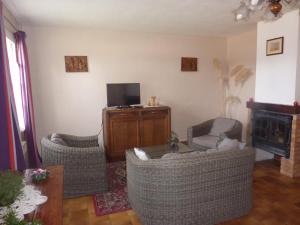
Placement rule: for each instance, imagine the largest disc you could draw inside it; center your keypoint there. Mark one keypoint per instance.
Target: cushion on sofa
(228, 144)
(207, 141)
(142, 155)
(221, 125)
(57, 139)
(242, 145)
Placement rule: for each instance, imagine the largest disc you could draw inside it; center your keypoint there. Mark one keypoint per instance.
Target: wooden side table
(51, 212)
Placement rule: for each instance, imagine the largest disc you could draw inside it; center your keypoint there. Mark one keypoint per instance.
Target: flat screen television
(123, 94)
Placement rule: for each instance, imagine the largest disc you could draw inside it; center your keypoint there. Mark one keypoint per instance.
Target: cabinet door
(155, 128)
(124, 135)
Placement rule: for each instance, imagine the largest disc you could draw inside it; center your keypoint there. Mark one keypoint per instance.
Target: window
(16, 81)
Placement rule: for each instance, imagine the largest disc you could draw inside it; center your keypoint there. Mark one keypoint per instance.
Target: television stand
(134, 127)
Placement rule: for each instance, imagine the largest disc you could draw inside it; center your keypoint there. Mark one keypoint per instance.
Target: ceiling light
(254, 5)
(242, 13)
(273, 9)
(254, 2)
(270, 16)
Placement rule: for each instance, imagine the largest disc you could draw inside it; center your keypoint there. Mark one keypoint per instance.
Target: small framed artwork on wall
(275, 46)
(189, 64)
(76, 63)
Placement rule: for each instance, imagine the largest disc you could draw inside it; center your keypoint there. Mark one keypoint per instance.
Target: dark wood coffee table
(156, 152)
(51, 212)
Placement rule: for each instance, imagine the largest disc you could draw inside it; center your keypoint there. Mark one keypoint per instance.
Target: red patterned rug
(115, 200)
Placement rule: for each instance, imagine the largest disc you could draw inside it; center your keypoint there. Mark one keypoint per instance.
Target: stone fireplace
(275, 117)
(276, 129)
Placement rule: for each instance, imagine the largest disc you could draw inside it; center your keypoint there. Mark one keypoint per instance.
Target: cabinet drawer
(155, 113)
(123, 114)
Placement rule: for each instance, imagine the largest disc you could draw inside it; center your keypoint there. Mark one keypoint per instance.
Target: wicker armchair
(192, 188)
(83, 160)
(199, 136)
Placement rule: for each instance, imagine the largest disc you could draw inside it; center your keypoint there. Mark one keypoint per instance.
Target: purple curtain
(22, 58)
(11, 154)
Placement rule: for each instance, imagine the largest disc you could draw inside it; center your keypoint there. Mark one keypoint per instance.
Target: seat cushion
(207, 141)
(221, 125)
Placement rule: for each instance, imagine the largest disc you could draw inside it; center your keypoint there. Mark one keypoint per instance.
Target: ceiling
(184, 17)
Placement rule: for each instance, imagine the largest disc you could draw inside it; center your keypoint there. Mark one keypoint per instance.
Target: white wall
(10, 21)
(241, 50)
(72, 102)
(276, 75)
(298, 65)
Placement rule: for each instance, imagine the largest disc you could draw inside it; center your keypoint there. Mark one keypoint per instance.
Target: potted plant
(39, 175)
(11, 219)
(173, 141)
(11, 186)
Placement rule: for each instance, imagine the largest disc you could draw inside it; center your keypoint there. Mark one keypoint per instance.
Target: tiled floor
(276, 202)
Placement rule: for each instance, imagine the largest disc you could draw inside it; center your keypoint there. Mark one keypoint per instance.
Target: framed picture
(275, 46)
(189, 64)
(76, 63)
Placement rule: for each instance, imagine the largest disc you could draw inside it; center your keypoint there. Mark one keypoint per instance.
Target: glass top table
(156, 152)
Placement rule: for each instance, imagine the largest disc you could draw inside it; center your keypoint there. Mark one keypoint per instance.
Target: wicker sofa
(201, 136)
(191, 189)
(83, 160)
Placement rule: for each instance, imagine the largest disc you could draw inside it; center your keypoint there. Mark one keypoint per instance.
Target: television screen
(123, 94)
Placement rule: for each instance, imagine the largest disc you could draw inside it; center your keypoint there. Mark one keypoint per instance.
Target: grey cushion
(221, 125)
(57, 139)
(228, 144)
(207, 141)
(242, 145)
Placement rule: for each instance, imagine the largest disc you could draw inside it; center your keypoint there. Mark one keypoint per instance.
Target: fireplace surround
(276, 129)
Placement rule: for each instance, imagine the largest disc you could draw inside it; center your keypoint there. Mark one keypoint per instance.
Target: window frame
(9, 35)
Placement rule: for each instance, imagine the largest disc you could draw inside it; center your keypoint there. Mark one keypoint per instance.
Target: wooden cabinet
(134, 127)
(154, 127)
(124, 133)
